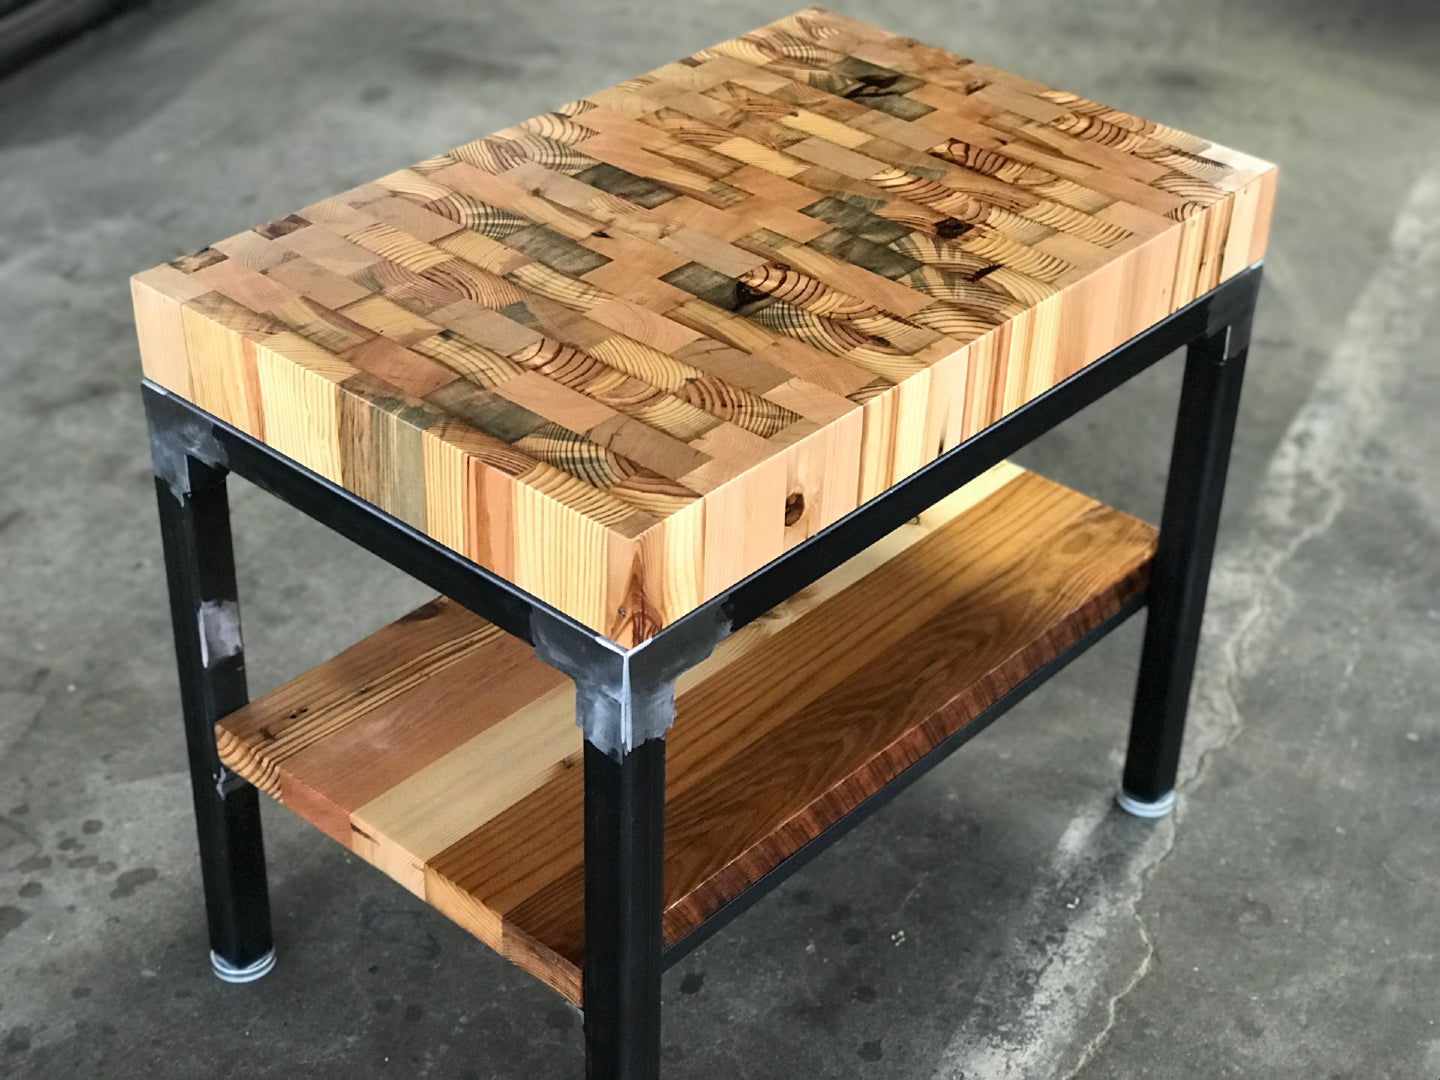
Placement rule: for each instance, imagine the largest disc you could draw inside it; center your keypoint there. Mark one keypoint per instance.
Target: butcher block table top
(627, 352)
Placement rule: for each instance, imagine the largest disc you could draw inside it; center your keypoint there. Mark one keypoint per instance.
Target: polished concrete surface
(1000, 920)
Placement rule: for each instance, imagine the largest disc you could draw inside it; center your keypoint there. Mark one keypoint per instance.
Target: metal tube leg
(200, 570)
(624, 703)
(624, 901)
(1214, 368)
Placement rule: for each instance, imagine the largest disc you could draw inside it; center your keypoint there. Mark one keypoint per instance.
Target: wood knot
(949, 228)
(794, 508)
(433, 608)
(746, 295)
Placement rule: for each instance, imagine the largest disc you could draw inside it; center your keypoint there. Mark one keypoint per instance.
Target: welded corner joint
(178, 439)
(617, 719)
(626, 697)
(1231, 312)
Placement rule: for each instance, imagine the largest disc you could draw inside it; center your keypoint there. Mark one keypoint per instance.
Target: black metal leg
(624, 895)
(1214, 368)
(624, 703)
(200, 570)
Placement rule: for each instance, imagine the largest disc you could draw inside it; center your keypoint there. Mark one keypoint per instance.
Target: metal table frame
(625, 697)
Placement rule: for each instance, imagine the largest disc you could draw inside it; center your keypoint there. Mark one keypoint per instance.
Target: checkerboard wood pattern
(627, 352)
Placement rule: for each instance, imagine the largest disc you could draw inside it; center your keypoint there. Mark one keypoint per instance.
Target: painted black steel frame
(625, 697)
(200, 570)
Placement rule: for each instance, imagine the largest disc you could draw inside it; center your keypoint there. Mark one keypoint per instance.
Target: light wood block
(442, 751)
(606, 353)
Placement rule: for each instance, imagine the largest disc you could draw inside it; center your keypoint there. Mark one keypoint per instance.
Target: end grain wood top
(442, 751)
(627, 352)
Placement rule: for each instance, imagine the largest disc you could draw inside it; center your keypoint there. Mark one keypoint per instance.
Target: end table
(696, 394)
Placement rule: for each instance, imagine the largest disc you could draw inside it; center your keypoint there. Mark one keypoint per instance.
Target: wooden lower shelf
(442, 751)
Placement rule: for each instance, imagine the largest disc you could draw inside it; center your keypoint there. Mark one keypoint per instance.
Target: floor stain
(10, 918)
(17, 1041)
(130, 880)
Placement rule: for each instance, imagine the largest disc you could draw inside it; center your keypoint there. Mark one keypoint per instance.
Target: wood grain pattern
(608, 351)
(445, 753)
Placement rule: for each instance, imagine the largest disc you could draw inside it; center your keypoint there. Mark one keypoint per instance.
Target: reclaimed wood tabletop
(626, 353)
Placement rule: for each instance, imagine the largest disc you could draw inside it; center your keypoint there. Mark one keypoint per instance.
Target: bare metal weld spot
(219, 631)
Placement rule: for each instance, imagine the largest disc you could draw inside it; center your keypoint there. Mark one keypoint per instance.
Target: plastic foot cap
(1142, 809)
(228, 972)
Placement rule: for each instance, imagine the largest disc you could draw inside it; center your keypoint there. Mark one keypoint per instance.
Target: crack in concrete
(1345, 407)
(1302, 496)
(1098, 863)
(1112, 1006)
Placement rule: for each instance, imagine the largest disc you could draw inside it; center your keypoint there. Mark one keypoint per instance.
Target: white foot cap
(1133, 806)
(228, 972)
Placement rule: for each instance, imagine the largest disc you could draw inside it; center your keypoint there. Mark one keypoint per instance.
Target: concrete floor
(999, 920)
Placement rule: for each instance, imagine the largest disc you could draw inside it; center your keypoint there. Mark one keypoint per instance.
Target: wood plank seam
(445, 754)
